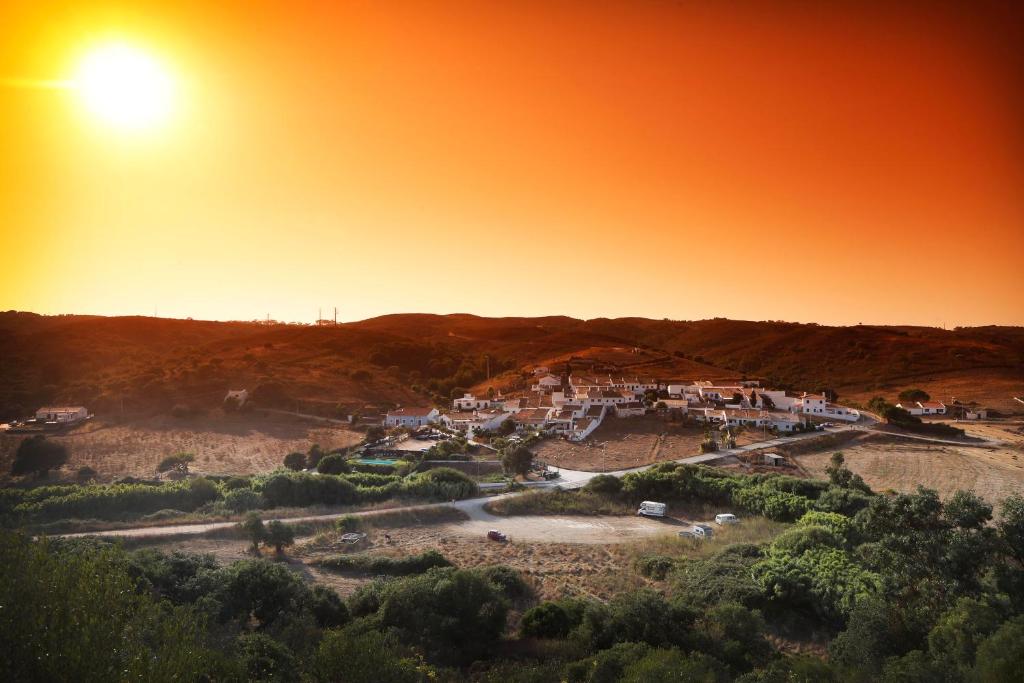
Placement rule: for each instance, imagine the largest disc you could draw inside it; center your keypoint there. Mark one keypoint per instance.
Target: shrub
(243, 500)
(390, 566)
(97, 501)
(295, 461)
(279, 535)
(604, 484)
(332, 464)
(506, 580)
(38, 455)
(265, 658)
(547, 620)
(85, 475)
(178, 461)
(654, 566)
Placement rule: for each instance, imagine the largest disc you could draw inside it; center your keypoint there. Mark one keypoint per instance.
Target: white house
(911, 407)
(582, 428)
(411, 417)
(631, 409)
(547, 382)
(62, 414)
(932, 407)
(748, 418)
(835, 412)
(239, 396)
(813, 404)
(471, 402)
(784, 422)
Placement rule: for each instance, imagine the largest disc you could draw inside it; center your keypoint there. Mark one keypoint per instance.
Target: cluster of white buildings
(923, 407)
(574, 405)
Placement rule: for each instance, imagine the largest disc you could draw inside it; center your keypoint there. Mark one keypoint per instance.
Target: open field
(993, 390)
(223, 444)
(630, 442)
(558, 555)
(899, 464)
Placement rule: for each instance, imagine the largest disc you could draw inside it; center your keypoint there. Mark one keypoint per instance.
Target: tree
(517, 460)
(914, 395)
(178, 462)
(507, 427)
(279, 535)
(334, 463)
(358, 655)
(314, 455)
(254, 529)
(1000, 655)
(295, 461)
(38, 455)
(839, 475)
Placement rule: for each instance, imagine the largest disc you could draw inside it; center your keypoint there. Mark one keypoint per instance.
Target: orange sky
(853, 162)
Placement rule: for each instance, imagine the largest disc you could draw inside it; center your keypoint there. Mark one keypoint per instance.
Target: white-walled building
(932, 407)
(62, 414)
(471, 402)
(411, 417)
(813, 404)
(630, 409)
(911, 407)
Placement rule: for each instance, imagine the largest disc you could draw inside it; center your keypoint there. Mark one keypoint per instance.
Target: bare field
(991, 391)
(623, 443)
(992, 473)
(222, 444)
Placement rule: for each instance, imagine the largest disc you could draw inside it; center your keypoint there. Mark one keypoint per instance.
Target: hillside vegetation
(153, 364)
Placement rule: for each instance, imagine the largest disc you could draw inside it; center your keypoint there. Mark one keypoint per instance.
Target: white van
(726, 518)
(649, 508)
(703, 531)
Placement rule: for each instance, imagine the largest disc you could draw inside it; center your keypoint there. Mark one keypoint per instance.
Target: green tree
(359, 655)
(265, 659)
(1001, 654)
(295, 461)
(254, 529)
(38, 455)
(333, 464)
(279, 535)
(517, 460)
(605, 484)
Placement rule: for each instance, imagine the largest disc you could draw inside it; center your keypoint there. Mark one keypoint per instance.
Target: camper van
(725, 518)
(651, 509)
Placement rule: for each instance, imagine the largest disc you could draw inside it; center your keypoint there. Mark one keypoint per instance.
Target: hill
(151, 364)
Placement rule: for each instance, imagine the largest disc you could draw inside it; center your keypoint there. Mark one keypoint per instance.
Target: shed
(773, 459)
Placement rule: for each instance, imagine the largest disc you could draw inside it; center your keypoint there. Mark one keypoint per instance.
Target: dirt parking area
(631, 442)
(222, 444)
(993, 473)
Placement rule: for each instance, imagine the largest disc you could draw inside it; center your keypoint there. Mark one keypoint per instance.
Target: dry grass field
(222, 444)
(554, 568)
(898, 464)
(623, 443)
(992, 390)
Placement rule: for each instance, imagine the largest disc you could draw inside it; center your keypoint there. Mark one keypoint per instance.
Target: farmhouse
(932, 407)
(911, 407)
(411, 417)
(62, 414)
(471, 402)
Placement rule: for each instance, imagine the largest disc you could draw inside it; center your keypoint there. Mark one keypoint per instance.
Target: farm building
(411, 417)
(62, 414)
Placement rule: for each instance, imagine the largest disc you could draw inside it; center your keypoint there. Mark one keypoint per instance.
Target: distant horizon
(312, 321)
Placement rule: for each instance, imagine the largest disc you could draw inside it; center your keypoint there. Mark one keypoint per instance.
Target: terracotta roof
(413, 411)
(931, 404)
(60, 409)
(595, 411)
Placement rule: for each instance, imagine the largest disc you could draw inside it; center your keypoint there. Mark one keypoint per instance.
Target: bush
(506, 580)
(279, 535)
(295, 461)
(332, 464)
(113, 501)
(243, 500)
(85, 475)
(265, 658)
(390, 566)
(547, 620)
(178, 461)
(654, 566)
(604, 484)
(38, 455)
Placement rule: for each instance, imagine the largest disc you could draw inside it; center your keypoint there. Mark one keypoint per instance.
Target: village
(574, 405)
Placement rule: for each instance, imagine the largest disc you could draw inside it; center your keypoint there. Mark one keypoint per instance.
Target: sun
(124, 86)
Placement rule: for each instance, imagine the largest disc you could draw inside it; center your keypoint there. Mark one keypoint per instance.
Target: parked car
(495, 535)
(649, 508)
(726, 518)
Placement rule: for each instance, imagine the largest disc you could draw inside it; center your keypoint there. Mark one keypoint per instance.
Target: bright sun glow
(125, 87)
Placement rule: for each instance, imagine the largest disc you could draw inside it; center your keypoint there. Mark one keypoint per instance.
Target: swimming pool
(374, 461)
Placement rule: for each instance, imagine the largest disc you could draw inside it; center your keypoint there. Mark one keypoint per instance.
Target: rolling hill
(152, 364)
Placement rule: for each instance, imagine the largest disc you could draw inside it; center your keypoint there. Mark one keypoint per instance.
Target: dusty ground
(558, 555)
(992, 473)
(619, 444)
(222, 444)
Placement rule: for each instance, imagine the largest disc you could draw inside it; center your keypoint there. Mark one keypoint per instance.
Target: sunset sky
(832, 162)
